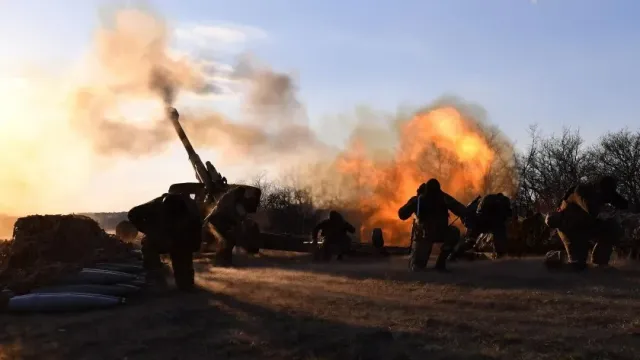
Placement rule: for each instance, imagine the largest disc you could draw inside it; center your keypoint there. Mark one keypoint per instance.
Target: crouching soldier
(490, 217)
(578, 224)
(431, 206)
(226, 220)
(493, 212)
(172, 225)
(334, 233)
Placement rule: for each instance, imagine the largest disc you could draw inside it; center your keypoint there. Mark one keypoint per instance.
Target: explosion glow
(439, 143)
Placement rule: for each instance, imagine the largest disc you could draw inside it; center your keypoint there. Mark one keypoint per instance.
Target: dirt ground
(283, 307)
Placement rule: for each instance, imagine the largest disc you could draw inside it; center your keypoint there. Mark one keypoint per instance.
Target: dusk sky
(551, 62)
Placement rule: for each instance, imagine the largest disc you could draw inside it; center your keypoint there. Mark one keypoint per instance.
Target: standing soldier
(171, 224)
(578, 224)
(334, 232)
(431, 206)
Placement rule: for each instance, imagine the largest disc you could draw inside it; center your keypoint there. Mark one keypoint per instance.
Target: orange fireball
(440, 143)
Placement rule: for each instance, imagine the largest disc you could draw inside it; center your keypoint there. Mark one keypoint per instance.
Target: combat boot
(497, 256)
(183, 272)
(155, 275)
(413, 267)
(419, 257)
(447, 249)
(156, 279)
(441, 262)
(224, 250)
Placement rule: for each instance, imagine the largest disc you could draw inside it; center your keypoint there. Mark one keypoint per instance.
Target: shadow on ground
(205, 325)
(283, 307)
(515, 273)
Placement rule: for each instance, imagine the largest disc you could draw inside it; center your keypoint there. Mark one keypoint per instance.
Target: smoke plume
(131, 58)
(54, 133)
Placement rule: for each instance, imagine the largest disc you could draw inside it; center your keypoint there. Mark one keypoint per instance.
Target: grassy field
(279, 306)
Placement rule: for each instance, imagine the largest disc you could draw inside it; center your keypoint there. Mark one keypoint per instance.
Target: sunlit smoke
(42, 161)
(130, 58)
(56, 132)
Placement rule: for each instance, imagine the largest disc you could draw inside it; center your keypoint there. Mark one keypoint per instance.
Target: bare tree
(618, 154)
(287, 206)
(503, 173)
(525, 162)
(551, 165)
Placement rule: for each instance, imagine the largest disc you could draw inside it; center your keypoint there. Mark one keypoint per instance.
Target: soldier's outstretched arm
(456, 207)
(408, 209)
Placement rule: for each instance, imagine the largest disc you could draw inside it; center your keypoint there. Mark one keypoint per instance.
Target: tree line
(536, 177)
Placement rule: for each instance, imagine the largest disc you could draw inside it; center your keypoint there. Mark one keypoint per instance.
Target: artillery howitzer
(224, 207)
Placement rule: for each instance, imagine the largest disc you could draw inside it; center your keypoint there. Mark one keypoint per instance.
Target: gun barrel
(201, 171)
(174, 117)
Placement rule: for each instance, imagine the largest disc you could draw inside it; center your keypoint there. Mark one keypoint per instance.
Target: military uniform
(493, 212)
(171, 224)
(334, 232)
(430, 226)
(535, 232)
(578, 225)
(227, 218)
(487, 215)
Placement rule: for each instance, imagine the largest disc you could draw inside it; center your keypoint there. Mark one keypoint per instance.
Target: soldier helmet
(432, 185)
(334, 215)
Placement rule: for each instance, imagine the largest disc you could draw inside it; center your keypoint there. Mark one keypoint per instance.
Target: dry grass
(276, 307)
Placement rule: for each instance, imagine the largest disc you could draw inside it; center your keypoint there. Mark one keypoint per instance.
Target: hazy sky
(553, 62)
